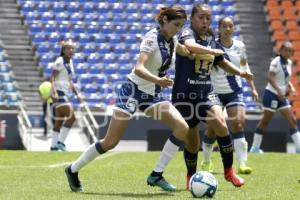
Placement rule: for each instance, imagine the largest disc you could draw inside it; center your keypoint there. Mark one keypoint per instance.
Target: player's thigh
(216, 120)
(236, 118)
(169, 115)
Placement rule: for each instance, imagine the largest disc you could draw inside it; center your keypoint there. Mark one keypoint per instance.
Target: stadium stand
(106, 32)
(283, 18)
(9, 94)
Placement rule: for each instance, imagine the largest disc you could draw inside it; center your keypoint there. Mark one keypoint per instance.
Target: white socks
(296, 139)
(54, 138)
(241, 148)
(167, 154)
(64, 131)
(257, 139)
(86, 157)
(207, 151)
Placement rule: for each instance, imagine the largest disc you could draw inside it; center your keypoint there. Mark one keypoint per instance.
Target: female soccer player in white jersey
(62, 87)
(142, 91)
(194, 98)
(275, 97)
(229, 90)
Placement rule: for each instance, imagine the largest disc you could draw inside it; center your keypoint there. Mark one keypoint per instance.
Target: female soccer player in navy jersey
(229, 90)
(194, 98)
(62, 87)
(142, 91)
(275, 97)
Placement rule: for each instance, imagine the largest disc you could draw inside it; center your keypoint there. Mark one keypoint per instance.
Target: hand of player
(255, 95)
(247, 75)
(217, 52)
(165, 82)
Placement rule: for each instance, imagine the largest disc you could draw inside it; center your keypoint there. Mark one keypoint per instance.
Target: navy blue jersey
(192, 77)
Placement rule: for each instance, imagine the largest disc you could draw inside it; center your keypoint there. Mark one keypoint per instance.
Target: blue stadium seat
(119, 18)
(28, 7)
(46, 17)
(61, 17)
(35, 28)
(42, 7)
(54, 37)
(93, 59)
(95, 69)
(90, 17)
(132, 8)
(124, 58)
(89, 48)
(99, 38)
(80, 69)
(117, 8)
(102, 7)
(32, 17)
(147, 18)
(120, 29)
(4, 69)
(100, 79)
(88, 7)
(73, 7)
(92, 29)
(108, 58)
(63, 28)
(85, 79)
(132, 18)
(58, 7)
(9, 88)
(78, 58)
(120, 48)
(49, 28)
(43, 48)
(130, 39)
(90, 88)
(110, 68)
(106, 29)
(146, 8)
(76, 18)
(78, 29)
(125, 69)
(103, 48)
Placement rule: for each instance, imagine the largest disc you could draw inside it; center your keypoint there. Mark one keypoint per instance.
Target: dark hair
(64, 43)
(172, 13)
(196, 9)
(221, 21)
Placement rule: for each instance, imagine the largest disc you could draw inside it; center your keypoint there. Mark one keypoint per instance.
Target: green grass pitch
(122, 175)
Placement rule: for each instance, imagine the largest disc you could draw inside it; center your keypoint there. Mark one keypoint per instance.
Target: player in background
(275, 97)
(142, 91)
(229, 90)
(62, 88)
(194, 98)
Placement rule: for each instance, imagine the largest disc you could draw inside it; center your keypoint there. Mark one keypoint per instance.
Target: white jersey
(62, 80)
(150, 45)
(283, 71)
(222, 81)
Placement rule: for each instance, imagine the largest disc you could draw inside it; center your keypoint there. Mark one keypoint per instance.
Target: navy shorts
(194, 111)
(130, 99)
(272, 103)
(232, 99)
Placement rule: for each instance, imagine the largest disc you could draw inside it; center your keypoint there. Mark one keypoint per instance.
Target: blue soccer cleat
(60, 146)
(160, 182)
(256, 150)
(73, 180)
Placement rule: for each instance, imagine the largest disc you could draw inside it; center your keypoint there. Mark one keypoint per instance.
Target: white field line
(56, 165)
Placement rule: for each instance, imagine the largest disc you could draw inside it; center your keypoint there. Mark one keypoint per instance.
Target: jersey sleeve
(149, 43)
(274, 67)
(58, 64)
(185, 35)
(243, 51)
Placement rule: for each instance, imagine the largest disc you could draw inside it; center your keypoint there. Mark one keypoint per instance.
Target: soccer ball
(203, 184)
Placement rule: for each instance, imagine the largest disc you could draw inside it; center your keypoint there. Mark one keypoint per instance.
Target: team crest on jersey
(185, 33)
(149, 42)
